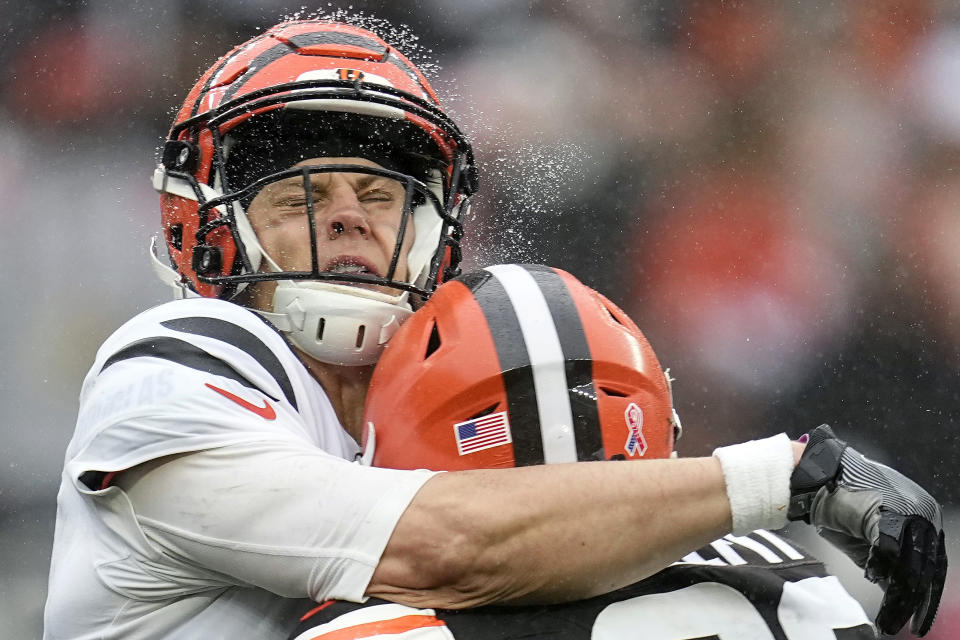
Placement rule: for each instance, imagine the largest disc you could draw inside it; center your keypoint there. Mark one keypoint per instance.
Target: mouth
(350, 265)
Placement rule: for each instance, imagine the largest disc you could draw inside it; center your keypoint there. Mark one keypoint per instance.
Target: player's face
(357, 217)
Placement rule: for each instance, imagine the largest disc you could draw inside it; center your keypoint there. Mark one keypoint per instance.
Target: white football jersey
(202, 375)
(753, 587)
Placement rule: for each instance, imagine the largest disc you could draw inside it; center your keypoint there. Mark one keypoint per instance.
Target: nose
(346, 215)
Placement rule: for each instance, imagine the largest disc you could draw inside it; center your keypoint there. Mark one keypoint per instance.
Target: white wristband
(757, 475)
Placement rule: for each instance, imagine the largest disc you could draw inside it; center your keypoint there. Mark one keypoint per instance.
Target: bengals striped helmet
(517, 365)
(307, 89)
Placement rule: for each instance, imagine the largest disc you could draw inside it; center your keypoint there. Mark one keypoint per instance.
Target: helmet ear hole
(180, 155)
(361, 332)
(176, 236)
(485, 412)
(612, 314)
(433, 343)
(207, 259)
(613, 392)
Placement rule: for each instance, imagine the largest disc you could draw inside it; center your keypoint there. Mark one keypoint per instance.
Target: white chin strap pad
(337, 324)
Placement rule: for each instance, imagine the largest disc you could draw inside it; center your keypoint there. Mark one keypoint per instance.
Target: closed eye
(377, 195)
(299, 200)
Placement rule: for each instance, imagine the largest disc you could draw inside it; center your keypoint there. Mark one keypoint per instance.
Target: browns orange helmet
(517, 365)
(300, 90)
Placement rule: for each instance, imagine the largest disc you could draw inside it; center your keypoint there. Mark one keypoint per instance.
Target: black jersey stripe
(183, 353)
(242, 339)
(579, 363)
(514, 361)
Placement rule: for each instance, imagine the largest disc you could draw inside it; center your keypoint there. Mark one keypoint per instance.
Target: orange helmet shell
(477, 358)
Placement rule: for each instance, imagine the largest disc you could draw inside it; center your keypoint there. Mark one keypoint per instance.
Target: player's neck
(346, 387)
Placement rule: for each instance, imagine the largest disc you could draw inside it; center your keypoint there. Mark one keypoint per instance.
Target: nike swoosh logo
(266, 411)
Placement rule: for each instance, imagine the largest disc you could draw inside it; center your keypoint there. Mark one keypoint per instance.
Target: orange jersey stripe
(397, 625)
(316, 610)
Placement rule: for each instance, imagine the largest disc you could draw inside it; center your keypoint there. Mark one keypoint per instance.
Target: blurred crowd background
(770, 189)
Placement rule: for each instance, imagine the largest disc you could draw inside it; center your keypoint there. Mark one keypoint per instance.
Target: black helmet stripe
(579, 362)
(259, 63)
(338, 37)
(215, 75)
(514, 363)
(545, 341)
(301, 40)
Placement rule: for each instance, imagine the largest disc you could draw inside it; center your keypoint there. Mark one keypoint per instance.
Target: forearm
(562, 532)
(550, 533)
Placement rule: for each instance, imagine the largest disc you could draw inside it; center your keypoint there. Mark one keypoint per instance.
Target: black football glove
(883, 521)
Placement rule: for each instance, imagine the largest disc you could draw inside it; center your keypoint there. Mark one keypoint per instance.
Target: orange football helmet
(310, 68)
(305, 89)
(517, 365)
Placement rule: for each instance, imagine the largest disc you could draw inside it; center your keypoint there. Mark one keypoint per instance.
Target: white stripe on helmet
(546, 360)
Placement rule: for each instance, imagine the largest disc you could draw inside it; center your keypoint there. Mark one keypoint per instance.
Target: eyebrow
(364, 182)
(369, 179)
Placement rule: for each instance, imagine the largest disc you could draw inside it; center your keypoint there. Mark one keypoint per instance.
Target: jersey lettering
(810, 609)
(752, 587)
(769, 549)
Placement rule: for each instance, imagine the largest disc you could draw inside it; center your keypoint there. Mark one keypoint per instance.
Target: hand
(887, 524)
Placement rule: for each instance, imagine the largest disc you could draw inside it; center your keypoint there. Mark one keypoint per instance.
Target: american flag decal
(482, 433)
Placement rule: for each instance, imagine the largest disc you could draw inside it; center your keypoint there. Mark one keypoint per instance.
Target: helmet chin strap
(334, 323)
(337, 324)
(369, 445)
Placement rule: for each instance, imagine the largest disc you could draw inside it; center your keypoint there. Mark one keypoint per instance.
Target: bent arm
(298, 523)
(549, 533)
(564, 532)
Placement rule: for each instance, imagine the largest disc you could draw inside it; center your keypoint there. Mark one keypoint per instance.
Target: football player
(487, 415)
(312, 190)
